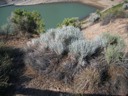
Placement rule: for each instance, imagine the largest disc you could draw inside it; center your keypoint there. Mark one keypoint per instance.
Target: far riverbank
(95, 3)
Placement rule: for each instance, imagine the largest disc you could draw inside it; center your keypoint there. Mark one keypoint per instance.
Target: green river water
(52, 14)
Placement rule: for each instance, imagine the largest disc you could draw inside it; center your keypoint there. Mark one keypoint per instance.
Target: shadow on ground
(14, 69)
(38, 92)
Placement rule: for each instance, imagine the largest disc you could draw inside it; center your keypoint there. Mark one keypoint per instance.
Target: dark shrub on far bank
(26, 22)
(70, 22)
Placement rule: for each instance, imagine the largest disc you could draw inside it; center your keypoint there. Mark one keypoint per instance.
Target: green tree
(70, 22)
(27, 22)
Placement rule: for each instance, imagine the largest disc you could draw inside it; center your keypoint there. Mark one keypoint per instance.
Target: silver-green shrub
(59, 39)
(61, 52)
(85, 47)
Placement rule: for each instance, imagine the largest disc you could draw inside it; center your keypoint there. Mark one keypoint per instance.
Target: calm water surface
(52, 14)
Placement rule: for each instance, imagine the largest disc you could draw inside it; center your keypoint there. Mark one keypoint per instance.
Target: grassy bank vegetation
(113, 13)
(70, 22)
(108, 14)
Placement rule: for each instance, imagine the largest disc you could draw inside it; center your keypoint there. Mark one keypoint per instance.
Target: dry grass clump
(91, 78)
(103, 79)
(118, 78)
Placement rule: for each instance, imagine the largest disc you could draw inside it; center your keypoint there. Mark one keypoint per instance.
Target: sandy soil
(101, 3)
(97, 3)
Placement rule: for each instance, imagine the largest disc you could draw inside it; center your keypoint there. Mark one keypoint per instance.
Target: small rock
(93, 17)
(125, 6)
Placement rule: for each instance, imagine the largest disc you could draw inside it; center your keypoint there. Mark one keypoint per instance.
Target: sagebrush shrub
(59, 38)
(85, 48)
(63, 47)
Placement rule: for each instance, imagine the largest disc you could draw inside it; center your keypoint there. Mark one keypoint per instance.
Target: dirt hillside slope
(118, 26)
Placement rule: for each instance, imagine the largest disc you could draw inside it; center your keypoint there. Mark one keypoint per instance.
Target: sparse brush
(112, 13)
(113, 40)
(113, 54)
(106, 19)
